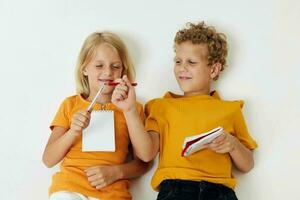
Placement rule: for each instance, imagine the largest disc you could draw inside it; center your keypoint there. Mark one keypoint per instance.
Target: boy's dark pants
(193, 190)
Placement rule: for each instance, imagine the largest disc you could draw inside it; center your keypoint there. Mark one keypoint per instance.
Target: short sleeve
(151, 121)
(62, 118)
(241, 131)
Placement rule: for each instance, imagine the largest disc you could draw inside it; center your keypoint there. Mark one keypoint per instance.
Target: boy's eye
(177, 61)
(192, 62)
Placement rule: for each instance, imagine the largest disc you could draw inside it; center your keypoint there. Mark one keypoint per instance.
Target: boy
(200, 57)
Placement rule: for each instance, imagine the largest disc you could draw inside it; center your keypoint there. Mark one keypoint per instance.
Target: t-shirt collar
(213, 95)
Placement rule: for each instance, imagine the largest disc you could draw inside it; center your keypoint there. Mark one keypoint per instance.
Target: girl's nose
(107, 71)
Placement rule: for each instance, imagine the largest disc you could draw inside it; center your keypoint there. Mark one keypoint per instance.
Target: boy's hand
(124, 95)
(225, 143)
(80, 121)
(101, 176)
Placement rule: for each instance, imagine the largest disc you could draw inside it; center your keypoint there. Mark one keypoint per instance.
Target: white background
(40, 41)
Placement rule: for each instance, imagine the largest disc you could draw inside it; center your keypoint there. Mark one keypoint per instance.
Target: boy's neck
(197, 93)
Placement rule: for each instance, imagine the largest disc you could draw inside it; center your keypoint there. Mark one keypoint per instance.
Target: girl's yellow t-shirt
(175, 117)
(71, 176)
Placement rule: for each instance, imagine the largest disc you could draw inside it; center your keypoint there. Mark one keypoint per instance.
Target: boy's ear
(215, 70)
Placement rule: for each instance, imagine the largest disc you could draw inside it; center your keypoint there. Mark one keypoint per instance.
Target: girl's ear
(215, 70)
(84, 72)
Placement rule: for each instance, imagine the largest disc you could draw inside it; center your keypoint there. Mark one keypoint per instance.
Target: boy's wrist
(235, 144)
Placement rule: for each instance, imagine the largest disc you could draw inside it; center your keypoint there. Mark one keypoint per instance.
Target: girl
(88, 175)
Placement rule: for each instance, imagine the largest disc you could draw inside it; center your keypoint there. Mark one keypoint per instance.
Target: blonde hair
(88, 51)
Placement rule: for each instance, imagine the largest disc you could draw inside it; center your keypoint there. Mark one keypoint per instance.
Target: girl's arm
(146, 145)
(101, 176)
(61, 139)
(241, 156)
(57, 147)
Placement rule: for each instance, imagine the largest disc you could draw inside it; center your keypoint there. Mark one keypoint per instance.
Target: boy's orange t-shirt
(71, 176)
(175, 117)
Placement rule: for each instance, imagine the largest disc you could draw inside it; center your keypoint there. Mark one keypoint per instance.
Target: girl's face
(191, 68)
(106, 66)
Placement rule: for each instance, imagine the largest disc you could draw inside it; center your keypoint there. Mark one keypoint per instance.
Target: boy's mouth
(185, 77)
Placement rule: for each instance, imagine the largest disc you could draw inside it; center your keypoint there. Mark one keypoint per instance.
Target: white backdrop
(40, 41)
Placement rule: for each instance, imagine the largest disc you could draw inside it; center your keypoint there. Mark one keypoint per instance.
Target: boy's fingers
(219, 138)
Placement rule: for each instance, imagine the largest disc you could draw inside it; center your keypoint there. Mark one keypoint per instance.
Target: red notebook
(195, 143)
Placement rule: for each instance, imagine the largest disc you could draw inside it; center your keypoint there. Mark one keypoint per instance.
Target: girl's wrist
(73, 133)
(119, 172)
(130, 111)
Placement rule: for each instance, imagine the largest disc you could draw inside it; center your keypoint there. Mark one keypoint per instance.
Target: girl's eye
(99, 66)
(116, 66)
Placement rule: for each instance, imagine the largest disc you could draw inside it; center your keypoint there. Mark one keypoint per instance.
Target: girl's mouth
(106, 80)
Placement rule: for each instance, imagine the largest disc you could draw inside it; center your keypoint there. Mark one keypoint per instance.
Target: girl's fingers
(128, 83)
(81, 117)
(120, 95)
(93, 178)
(122, 88)
(97, 182)
(118, 80)
(78, 123)
(91, 171)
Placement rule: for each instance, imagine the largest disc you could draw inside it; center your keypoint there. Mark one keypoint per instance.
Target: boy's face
(105, 67)
(191, 68)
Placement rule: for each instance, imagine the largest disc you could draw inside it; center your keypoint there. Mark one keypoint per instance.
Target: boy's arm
(101, 176)
(241, 156)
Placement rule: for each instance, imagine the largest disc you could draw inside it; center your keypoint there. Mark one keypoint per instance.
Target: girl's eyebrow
(111, 62)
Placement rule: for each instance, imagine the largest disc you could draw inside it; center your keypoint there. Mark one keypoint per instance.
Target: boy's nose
(183, 67)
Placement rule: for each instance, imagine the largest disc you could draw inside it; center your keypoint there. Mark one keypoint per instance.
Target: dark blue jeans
(194, 190)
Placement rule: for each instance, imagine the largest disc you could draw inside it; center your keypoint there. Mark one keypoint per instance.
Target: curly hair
(200, 33)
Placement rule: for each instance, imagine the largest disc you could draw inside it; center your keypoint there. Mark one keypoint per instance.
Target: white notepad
(195, 143)
(100, 134)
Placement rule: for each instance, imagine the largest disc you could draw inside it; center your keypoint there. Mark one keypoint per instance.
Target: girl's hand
(225, 143)
(80, 121)
(101, 176)
(124, 95)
